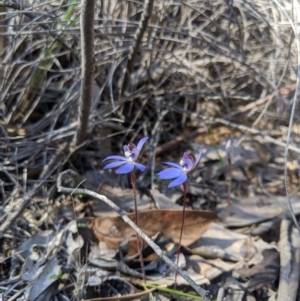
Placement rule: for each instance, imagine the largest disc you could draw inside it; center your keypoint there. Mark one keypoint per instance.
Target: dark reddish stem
(184, 185)
(230, 179)
(138, 239)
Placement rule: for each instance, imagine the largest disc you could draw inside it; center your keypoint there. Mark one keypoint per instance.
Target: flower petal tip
(141, 143)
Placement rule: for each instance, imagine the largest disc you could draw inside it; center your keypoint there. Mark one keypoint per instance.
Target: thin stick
(184, 185)
(202, 292)
(138, 239)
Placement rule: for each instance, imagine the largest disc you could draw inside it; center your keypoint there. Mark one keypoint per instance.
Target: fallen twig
(203, 293)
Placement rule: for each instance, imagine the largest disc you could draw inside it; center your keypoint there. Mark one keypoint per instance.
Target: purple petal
(173, 164)
(115, 158)
(114, 164)
(141, 143)
(170, 173)
(180, 180)
(141, 167)
(126, 168)
(198, 157)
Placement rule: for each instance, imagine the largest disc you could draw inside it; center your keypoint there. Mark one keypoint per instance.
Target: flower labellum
(179, 172)
(128, 162)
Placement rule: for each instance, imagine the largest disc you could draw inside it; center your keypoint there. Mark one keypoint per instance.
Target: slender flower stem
(230, 179)
(184, 185)
(138, 239)
(226, 212)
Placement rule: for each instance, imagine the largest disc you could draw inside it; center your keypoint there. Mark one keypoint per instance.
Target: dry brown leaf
(113, 230)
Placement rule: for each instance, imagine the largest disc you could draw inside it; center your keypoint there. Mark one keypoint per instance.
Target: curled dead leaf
(113, 230)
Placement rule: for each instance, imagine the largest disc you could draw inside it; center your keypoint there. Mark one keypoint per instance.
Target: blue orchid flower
(179, 172)
(128, 162)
